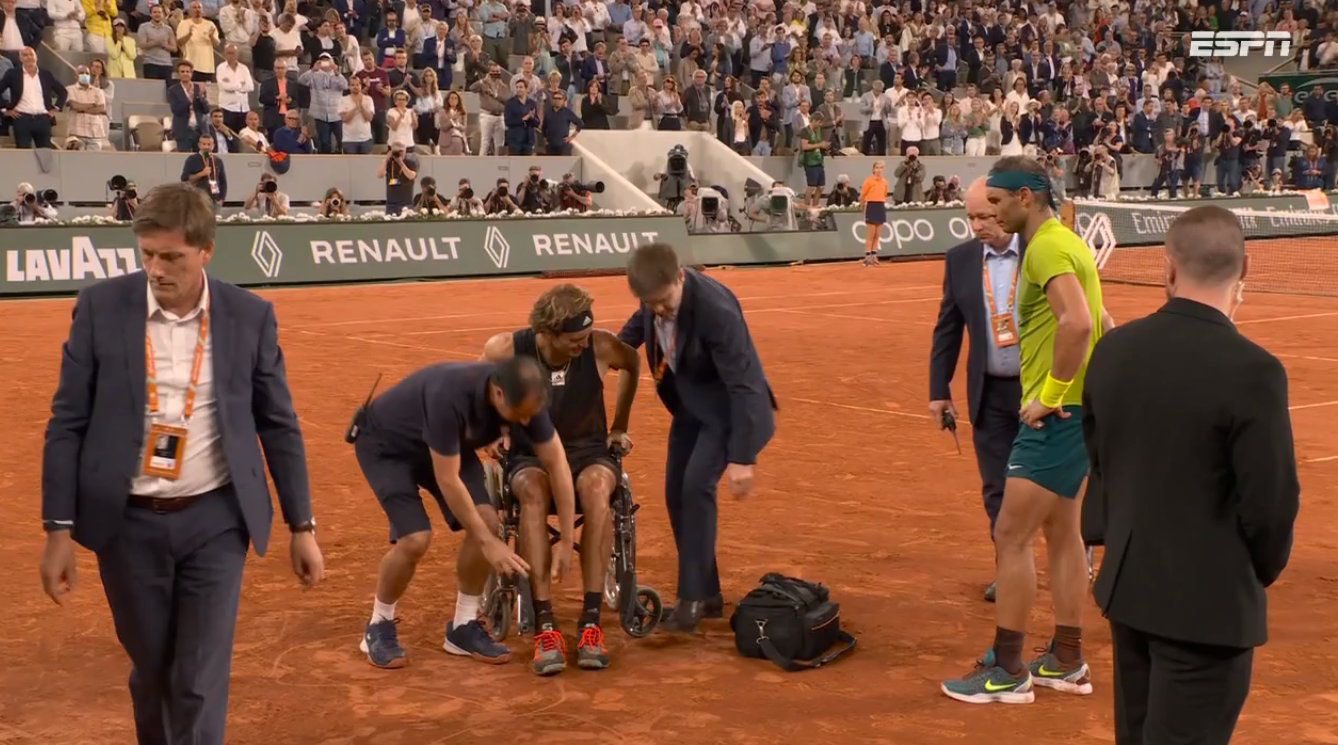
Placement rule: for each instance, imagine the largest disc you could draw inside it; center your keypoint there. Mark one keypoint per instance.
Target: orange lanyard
(989, 286)
(151, 371)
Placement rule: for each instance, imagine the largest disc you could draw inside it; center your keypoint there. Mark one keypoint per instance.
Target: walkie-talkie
(949, 422)
(360, 416)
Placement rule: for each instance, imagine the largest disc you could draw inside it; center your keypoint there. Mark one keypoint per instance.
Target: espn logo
(1239, 43)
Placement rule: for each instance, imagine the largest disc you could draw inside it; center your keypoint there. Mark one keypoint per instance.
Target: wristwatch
(306, 527)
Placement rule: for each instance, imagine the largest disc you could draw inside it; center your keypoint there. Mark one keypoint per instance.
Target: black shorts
(578, 459)
(396, 478)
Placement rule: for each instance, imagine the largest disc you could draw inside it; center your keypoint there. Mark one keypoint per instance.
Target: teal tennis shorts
(1054, 456)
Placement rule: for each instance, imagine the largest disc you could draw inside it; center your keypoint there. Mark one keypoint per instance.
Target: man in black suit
(1193, 489)
(189, 103)
(708, 374)
(172, 383)
(31, 117)
(979, 283)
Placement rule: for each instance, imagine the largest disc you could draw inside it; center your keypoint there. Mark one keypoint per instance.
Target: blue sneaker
(1049, 672)
(989, 684)
(381, 644)
(472, 640)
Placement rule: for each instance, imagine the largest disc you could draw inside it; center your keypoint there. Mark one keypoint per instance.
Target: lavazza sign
(81, 262)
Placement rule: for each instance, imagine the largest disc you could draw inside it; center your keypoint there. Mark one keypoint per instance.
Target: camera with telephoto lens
(268, 187)
(336, 203)
(466, 193)
(122, 187)
(46, 196)
(581, 187)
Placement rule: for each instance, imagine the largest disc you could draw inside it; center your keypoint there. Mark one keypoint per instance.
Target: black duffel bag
(791, 622)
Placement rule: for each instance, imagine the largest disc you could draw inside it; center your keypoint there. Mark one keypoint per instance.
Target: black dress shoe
(714, 608)
(685, 617)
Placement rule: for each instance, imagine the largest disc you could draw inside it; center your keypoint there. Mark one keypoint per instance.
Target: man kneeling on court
(422, 434)
(574, 356)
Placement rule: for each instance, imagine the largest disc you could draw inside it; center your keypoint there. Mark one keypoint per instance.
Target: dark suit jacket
(182, 105)
(428, 59)
(270, 119)
(719, 381)
(53, 93)
(95, 437)
(1193, 478)
(962, 308)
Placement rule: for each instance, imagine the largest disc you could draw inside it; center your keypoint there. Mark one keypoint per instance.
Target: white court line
(1306, 357)
(629, 307)
(1312, 406)
(893, 412)
(1288, 318)
(850, 317)
(1321, 460)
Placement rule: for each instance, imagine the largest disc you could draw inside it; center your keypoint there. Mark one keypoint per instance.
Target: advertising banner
(44, 260)
(1303, 84)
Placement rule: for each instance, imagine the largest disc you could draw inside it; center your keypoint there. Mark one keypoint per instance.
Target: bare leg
(399, 564)
(471, 567)
(594, 487)
(530, 487)
(1026, 506)
(1068, 560)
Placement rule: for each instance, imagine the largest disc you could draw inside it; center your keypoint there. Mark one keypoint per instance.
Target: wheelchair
(508, 601)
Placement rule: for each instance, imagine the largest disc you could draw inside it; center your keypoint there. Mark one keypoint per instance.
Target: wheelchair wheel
(642, 613)
(611, 584)
(524, 608)
(499, 604)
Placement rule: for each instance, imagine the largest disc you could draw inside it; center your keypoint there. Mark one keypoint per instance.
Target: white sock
(466, 608)
(382, 611)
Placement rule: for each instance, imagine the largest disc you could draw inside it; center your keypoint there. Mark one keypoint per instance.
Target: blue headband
(1014, 180)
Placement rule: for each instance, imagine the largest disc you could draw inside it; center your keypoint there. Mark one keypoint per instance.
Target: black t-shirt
(400, 192)
(445, 407)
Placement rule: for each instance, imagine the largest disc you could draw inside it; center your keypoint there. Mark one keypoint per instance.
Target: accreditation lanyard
(989, 288)
(1003, 325)
(151, 371)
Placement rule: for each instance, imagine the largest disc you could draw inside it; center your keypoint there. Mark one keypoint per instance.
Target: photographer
(575, 195)
(843, 194)
(910, 177)
(1054, 168)
(1170, 165)
(429, 202)
(125, 201)
(335, 204)
(399, 168)
(32, 206)
(938, 191)
(465, 203)
(533, 193)
(267, 200)
(499, 201)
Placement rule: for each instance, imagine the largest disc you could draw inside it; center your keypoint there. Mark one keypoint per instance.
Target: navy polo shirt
(445, 407)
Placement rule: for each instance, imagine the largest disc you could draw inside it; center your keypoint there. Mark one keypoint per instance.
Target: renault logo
(499, 250)
(265, 251)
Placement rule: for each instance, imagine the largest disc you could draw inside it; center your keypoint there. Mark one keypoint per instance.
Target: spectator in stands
(226, 139)
(264, 51)
(494, 17)
(19, 27)
(499, 200)
(357, 112)
(399, 169)
(522, 119)
(240, 24)
(1310, 170)
(400, 123)
(493, 92)
(354, 14)
(533, 194)
(402, 77)
(267, 200)
(454, 126)
(428, 106)
(158, 43)
(35, 98)
(641, 99)
(1142, 129)
(668, 105)
(97, 22)
(792, 95)
(278, 95)
(253, 136)
(351, 62)
(323, 42)
(197, 37)
(67, 24)
(560, 125)
(875, 107)
(89, 124)
(235, 86)
(439, 55)
(293, 137)
(389, 39)
(327, 86)
(121, 52)
(288, 40)
(204, 170)
(375, 85)
(189, 105)
(31, 207)
(596, 108)
(533, 83)
(723, 106)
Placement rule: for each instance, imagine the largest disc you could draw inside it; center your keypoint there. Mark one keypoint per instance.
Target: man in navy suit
(33, 116)
(190, 108)
(171, 383)
(979, 297)
(708, 374)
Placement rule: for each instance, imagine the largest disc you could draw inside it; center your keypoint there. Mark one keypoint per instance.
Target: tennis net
(1292, 252)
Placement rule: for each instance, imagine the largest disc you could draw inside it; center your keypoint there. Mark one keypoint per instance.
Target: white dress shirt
(234, 87)
(32, 101)
(204, 466)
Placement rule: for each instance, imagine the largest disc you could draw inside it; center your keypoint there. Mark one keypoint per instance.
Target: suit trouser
(993, 433)
(1176, 693)
(697, 460)
(32, 131)
(173, 581)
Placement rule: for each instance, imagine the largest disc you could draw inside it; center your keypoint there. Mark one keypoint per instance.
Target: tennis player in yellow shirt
(1060, 319)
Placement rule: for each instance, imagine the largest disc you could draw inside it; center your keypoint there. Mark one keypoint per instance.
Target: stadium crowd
(1084, 83)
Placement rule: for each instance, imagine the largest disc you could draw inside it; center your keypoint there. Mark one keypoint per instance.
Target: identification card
(165, 451)
(392, 181)
(213, 187)
(558, 377)
(1005, 329)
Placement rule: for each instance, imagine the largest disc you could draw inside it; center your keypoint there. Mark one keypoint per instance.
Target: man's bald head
(1206, 247)
(980, 213)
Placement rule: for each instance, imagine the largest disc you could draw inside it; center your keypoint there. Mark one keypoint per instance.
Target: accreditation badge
(165, 451)
(1005, 329)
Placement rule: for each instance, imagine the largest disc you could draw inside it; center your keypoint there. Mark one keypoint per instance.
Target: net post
(1068, 214)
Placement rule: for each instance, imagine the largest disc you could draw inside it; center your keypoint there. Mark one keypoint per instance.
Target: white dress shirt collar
(202, 307)
(1011, 249)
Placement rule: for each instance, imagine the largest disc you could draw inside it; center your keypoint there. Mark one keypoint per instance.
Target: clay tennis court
(858, 490)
